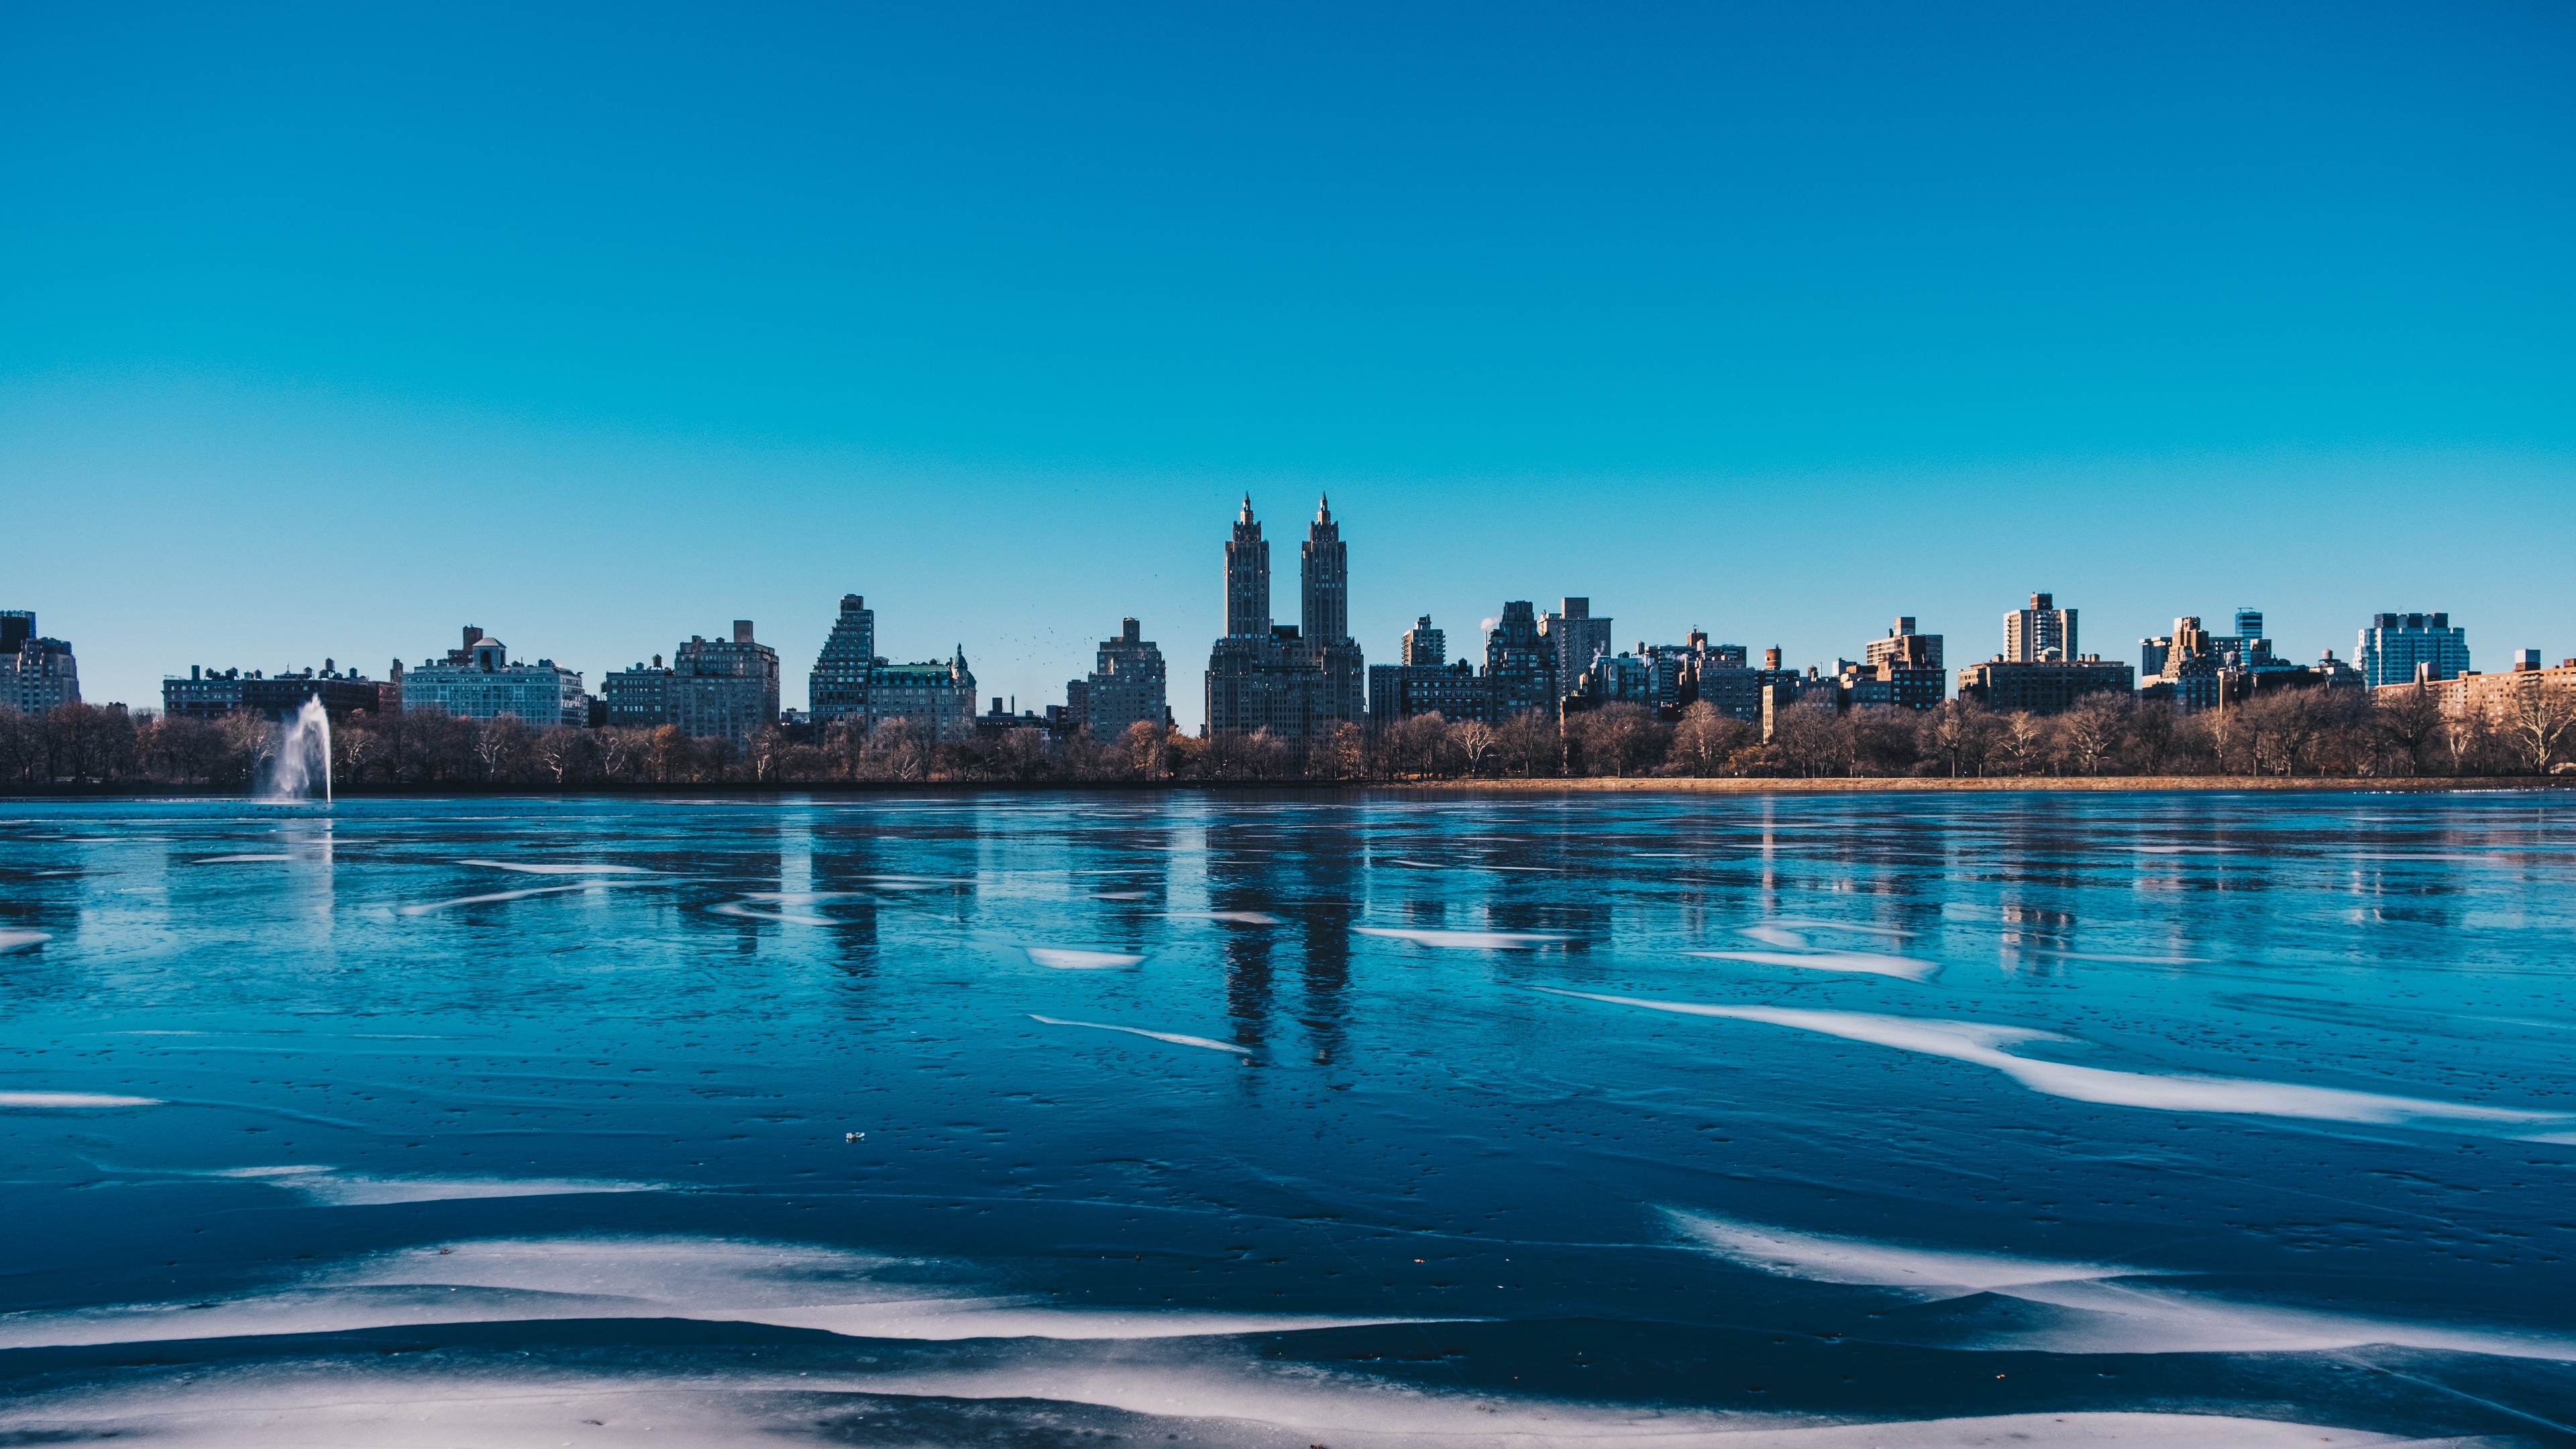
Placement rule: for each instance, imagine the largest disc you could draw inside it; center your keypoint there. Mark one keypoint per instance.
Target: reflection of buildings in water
(2033, 955)
(1247, 970)
(759, 867)
(1327, 928)
(1581, 922)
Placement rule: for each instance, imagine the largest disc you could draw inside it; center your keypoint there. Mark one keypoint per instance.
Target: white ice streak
(1981, 1044)
(737, 908)
(2112, 1314)
(1817, 925)
(1240, 918)
(1064, 958)
(22, 940)
(709, 1279)
(1208, 1392)
(1931, 1273)
(529, 869)
(2109, 956)
(1467, 940)
(1174, 1037)
(1903, 967)
(69, 1101)
(330, 1185)
(426, 907)
(1798, 952)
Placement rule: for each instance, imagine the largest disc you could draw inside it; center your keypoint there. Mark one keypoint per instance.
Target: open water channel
(1291, 1120)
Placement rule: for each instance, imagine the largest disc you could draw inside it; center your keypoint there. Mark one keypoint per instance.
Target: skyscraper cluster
(1296, 680)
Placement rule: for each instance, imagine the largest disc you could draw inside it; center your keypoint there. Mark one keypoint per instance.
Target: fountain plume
(303, 759)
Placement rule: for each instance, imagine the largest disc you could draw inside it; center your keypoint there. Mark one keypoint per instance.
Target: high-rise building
(36, 673)
(2044, 687)
(1402, 691)
(1425, 647)
(480, 681)
(637, 697)
(1424, 683)
(2247, 649)
(1295, 679)
(839, 684)
(1324, 621)
(2397, 647)
(1902, 669)
(2040, 633)
(725, 688)
(1521, 664)
(1247, 578)
(1614, 679)
(1126, 686)
(2525, 690)
(2188, 664)
(1577, 637)
(1903, 647)
(212, 694)
(936, 698)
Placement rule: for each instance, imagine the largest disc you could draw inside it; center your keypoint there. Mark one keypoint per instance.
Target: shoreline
(1544, 785)
(2005, 784)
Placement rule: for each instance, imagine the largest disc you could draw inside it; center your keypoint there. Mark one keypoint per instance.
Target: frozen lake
(1336, 1120)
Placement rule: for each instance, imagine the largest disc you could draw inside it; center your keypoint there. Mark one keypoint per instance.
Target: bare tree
(1345, 752)
(1882, 740)
(2537, 719)
(1812, 740)
(1620, 738)
(248, 742)
(1418, 746)
(668, 750)
(502, 747)
(622, 752)
(896, 751)
(1148, 749)
(22, 743)
(2408, 721)
(2022, 743)
(1958, 736)
(1705, 738)
(563, 751)
(1474, 742)
(2087, 733)
(1531, 742)
(1022, 755)
(767, 743)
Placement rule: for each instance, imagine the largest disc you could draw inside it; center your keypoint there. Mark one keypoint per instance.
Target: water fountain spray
(303, 757)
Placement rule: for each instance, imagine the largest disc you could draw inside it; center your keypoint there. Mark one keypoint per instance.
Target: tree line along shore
(2317, 735)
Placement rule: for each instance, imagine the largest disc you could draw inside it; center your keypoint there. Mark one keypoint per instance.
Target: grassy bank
(1736, 785)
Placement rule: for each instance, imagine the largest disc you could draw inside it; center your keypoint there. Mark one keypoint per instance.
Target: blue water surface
(1291, 1119)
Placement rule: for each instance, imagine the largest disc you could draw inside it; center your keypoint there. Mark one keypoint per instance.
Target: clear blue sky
(329, 329)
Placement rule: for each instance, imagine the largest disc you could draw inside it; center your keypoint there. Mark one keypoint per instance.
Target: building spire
(1247, 509)
(1323, 508)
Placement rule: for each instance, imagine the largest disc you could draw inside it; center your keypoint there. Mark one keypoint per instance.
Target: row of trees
(2325, 732)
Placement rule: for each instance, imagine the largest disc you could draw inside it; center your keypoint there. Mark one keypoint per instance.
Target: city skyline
(1699, 313)
(2042, 629)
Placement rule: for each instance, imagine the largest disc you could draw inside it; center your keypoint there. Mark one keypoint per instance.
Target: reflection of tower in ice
(1242, 882)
